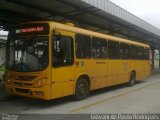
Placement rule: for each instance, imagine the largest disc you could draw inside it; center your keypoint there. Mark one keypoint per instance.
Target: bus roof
(66, 27)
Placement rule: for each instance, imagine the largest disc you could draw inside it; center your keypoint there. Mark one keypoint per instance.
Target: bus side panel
(147, 69)
(99, 74)
(141, 67)
(84, 68)
(118, 72)
(134, 66)
(113, 71)
(143, 70)
(96, 70)
(124, 71)
(61, 89)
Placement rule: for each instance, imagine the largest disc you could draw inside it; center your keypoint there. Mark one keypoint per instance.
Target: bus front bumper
(38, 92)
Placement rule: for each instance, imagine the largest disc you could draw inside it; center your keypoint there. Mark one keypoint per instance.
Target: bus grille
(22, 90)
(22, 84)
(25, 78)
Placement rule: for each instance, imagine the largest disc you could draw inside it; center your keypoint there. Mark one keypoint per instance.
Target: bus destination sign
(33, 29)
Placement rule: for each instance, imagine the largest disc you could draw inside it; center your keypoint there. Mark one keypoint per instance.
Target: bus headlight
(8, 81)
(39, 83)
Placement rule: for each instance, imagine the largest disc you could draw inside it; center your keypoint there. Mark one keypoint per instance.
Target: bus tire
(132, 79)
(81, 89)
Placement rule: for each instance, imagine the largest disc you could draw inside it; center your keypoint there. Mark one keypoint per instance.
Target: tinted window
(140, 53)
(113, 50)
(62, 50)
(99, 48)
(124, 51)
(133, 52)
(146, 53)
(83, 46)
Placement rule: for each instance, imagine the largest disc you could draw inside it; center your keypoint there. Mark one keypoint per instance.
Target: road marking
(113, 97)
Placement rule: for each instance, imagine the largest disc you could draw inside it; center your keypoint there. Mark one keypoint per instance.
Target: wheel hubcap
(82, 89)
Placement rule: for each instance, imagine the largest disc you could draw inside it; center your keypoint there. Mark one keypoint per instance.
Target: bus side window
(113, 50)
(146, 53)
(124, 51)
(62, 51)
(99, 48)
(83, 46)
(133, 52)
(140, 53)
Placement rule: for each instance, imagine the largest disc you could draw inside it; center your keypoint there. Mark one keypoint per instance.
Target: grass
(2, 69)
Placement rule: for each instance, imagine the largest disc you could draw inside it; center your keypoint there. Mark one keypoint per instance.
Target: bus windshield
(27, 54)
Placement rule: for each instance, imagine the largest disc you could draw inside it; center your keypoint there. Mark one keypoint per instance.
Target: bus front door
(62, 64)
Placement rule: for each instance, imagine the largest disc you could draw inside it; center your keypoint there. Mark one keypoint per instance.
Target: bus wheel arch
(82, 87)
(132, 78)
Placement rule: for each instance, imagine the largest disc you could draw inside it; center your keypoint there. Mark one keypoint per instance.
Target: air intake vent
(26, 78)
(22, 90)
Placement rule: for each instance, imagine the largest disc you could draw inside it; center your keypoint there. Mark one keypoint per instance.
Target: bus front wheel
(82, 89)
(132, 79)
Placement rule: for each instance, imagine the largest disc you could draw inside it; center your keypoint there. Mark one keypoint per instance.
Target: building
(2, 50)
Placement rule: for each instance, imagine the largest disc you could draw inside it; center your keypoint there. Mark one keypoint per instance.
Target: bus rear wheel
(82, 89)
(132, 79)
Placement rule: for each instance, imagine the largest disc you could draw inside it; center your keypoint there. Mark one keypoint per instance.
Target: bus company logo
(82, 63)
(125, 66)
(28, 30)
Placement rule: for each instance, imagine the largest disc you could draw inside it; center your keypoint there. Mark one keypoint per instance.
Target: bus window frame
(128, 55)
(108, 56)
(146, 57)
(72, 51)
(100, 39)
(87, 58)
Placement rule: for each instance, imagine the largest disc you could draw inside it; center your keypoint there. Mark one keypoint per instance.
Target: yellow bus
(48, 60)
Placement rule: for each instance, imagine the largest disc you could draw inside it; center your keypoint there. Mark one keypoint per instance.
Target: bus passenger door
(62, 64)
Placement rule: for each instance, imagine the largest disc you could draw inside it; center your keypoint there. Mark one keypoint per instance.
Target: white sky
(148, 10)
